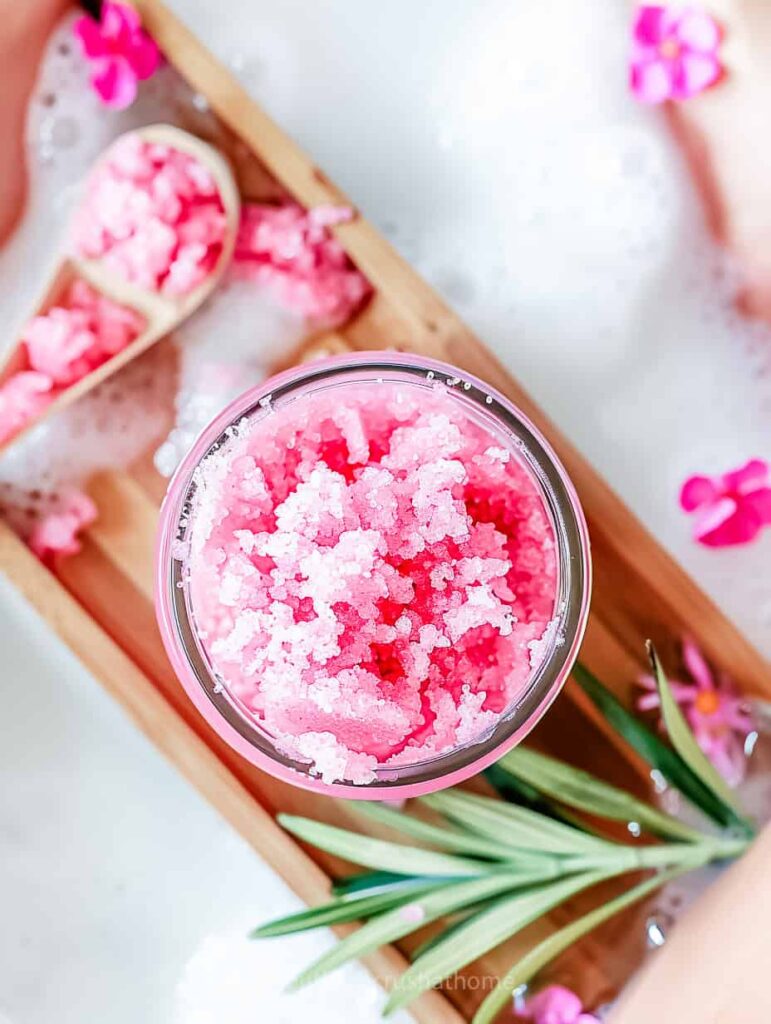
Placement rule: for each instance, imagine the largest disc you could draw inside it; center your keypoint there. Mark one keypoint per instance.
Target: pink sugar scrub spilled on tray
(372, 576)
(153, 215)
(61, 346)
(291, 251)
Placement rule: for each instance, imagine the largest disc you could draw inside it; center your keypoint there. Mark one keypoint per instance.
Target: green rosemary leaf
(685, 743)
(341, 910)
(482, 933)
(448, 839)
(586, 792)
(518, 792)
(559, 941)
(515, 791)
(559, 850)
(450, 926)
(394, 924)
(380, 854)
(653, 749)
(369, 881)
(517, 826)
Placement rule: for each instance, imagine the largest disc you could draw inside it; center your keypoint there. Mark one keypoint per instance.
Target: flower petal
(728, 524)
(727, 755)
(115, 82)
(737, 717)
(697, 667)
(698, 31)
(701, 728)
(119, 21)
(746, 478)
(555, 1004)
(694, 73)
(696, 491)
(759, 504)
(648, 701)
(684, 693)
(651, 81)
(89, 35)
(713, 516)
(650, 25)
(144, 56)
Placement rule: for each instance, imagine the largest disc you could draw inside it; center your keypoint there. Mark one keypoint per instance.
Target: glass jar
(513, 432)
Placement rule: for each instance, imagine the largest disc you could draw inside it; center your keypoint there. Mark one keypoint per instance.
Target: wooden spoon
(161, 313)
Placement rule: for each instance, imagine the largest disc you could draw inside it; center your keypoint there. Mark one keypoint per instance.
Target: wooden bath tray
(100, 601)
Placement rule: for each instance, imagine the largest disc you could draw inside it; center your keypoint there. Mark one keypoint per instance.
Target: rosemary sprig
(495, 865)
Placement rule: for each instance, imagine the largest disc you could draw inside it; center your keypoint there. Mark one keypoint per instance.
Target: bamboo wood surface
(100, 600)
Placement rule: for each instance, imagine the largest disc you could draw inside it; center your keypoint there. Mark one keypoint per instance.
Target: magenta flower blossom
(731, 508)
(718, 716)
(121, 53)
(557, 1005)
(674, 54)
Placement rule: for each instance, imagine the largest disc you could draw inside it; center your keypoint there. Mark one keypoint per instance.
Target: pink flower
(718, 716)
(731, 508)
(56, 533)
(557, 1005)
(674, 53)
(120, 51)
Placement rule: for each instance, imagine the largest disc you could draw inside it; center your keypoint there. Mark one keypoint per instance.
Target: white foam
(228, 346)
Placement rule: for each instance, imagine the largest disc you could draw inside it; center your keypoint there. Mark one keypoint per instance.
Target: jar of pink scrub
(373, 575)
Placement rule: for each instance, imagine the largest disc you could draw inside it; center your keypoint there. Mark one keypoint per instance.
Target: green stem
(688, 855)
(728, 849)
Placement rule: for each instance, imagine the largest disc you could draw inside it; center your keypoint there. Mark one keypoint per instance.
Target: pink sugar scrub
(152, 214)
(372, 575)
(61, 346)
(290, 251)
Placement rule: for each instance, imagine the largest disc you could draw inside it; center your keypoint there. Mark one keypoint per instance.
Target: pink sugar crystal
(292, 252)
(154, 215)
(60, 347)
(23, 397)
(373, 577)
(57, 533)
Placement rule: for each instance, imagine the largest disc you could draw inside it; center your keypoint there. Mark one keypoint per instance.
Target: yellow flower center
(669, 49)
(707, 702)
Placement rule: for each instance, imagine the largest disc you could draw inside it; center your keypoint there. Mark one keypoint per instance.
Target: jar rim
(571, 609)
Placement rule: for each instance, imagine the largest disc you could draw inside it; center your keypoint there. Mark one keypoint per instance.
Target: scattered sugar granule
(373, 581)
(414, 913)
(57, 532)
